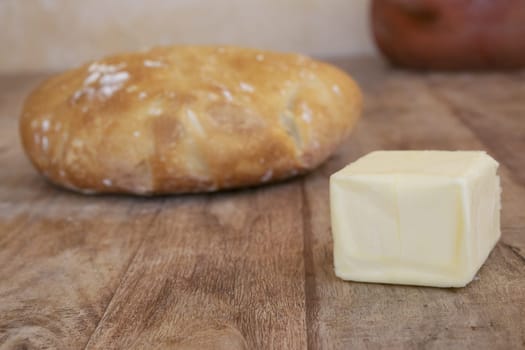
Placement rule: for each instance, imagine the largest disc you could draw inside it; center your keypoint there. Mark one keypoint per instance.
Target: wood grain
(253, 268)
(221, 271)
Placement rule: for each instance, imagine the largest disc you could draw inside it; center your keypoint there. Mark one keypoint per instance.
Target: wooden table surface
(253, 268)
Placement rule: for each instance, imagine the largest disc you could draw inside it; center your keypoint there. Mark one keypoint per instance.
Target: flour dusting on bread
(187, 119)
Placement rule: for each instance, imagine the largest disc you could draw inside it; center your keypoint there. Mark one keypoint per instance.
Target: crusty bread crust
(187, 119)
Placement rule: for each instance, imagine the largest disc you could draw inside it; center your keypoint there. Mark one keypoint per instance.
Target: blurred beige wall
(54, 34)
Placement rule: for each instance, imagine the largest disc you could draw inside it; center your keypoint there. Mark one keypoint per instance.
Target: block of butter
(426, 218)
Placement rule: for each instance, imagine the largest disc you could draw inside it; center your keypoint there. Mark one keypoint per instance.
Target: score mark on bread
(187, 119)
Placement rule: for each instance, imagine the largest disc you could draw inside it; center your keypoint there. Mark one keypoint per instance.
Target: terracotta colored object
(451, 34)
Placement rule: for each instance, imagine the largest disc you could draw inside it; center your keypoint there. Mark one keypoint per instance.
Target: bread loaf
(187, 119)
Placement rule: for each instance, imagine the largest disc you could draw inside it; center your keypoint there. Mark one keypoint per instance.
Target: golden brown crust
(186, 118)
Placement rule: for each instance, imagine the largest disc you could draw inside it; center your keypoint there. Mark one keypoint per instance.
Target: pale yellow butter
(415, 217)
